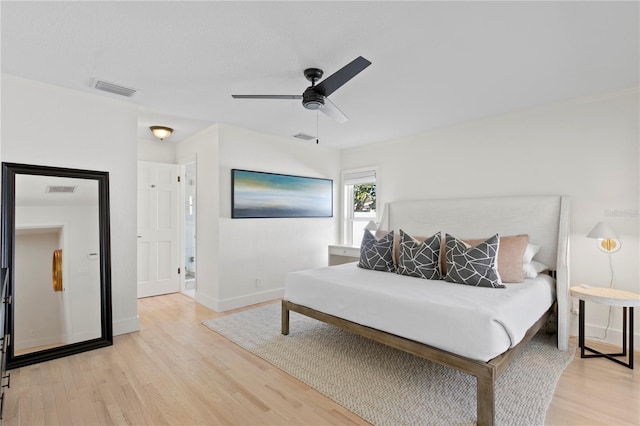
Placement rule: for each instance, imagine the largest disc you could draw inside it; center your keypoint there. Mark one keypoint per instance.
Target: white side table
(339, 254)
(612, 297)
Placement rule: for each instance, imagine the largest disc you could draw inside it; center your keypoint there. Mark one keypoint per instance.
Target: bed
(478, 338)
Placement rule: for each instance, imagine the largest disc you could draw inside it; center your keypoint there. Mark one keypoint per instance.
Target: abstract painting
(271, 195)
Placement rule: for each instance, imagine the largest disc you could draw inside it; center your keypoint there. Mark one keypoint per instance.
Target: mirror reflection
(57, 291)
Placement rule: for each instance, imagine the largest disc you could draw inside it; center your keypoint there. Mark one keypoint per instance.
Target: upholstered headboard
(544, 218)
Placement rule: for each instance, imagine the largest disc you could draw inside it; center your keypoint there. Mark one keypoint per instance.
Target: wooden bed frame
(544, 218)
(486, 373)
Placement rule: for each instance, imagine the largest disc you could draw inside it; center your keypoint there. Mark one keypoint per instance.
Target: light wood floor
(174, 371)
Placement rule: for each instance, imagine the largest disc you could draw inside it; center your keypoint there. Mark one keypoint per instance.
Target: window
(359, 203)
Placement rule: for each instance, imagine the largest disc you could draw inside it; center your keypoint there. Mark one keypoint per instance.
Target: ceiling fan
(315, 97)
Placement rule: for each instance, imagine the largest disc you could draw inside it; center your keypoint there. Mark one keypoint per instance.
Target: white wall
(52, 126)
(156, 151)
(203, 147)
(586, 148)
(232, 253)
(81, 274)
(269, 248)
(44, 325)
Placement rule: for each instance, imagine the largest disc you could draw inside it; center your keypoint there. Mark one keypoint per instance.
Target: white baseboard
(614, 337)
(596, 332)
(207, 301)
(119, 327)
(127, 325)
(81, 337)
(37, 342)
(238, 302)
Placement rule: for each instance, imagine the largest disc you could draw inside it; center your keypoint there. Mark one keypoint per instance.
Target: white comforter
(478, 323)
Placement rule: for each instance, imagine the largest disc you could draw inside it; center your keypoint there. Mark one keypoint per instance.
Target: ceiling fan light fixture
(312, 100)
(161, 132)
(313, 105)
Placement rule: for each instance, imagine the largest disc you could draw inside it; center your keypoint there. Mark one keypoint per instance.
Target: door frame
(182, 220)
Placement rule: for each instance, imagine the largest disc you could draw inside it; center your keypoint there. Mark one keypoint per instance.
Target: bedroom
(584, 146)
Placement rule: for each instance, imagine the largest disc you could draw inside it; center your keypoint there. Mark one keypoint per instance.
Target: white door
(157, 229)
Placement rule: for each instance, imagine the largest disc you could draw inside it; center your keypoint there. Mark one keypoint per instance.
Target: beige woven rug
(389, 387)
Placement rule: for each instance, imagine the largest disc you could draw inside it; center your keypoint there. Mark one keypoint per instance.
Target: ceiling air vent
(304, 137)
(60, 189)
(114, 88)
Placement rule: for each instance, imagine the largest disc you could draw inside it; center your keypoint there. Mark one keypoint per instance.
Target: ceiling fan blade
(340, 77)
(333, 111)
(266, 96)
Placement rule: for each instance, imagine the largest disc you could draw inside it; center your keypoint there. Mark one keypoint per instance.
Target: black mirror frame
(9, 171)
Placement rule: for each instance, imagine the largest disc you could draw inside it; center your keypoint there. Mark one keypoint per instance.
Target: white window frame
(349, 178)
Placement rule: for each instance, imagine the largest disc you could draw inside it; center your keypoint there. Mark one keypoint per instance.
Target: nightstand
(613, 297)
(339, 254)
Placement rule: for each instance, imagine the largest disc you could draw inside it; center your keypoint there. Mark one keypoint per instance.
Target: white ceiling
(434, 63)
(32, 190)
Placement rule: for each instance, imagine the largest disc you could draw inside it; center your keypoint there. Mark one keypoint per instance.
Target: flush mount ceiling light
(161, 132)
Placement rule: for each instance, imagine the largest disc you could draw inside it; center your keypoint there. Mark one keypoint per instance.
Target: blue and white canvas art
(270, 195)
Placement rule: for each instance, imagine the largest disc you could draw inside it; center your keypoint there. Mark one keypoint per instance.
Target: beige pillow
(396, 243)
(510, 254)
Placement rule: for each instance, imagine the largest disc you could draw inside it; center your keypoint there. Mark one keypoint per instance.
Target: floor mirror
(56, 249)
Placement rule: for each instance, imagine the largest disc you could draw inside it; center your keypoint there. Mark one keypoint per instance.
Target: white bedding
(478, 323)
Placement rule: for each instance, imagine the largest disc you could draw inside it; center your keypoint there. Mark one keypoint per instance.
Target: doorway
(158, 269)
(189, 229)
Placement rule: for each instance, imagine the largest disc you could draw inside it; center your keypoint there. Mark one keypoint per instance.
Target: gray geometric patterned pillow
(377, 254)
(476, 265)
(419, 259)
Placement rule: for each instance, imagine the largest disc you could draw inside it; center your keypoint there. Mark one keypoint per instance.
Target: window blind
(359, 178)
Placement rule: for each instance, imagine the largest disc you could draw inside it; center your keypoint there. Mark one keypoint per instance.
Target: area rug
(386, 386)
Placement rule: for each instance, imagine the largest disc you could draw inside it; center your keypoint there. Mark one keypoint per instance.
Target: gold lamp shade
(57, 270)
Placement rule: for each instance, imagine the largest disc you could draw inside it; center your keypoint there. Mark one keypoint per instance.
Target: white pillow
(529, 252)
(533, 268)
